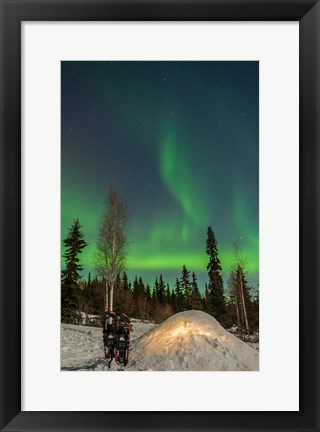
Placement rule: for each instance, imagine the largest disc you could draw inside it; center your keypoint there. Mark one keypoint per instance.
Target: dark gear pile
(116, 337)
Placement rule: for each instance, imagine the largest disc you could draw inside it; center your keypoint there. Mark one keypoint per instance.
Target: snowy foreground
(187, 341)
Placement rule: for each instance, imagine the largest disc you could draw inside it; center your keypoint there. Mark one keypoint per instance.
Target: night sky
(180, 143)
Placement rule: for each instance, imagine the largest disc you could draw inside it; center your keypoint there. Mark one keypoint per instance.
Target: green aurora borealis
(180, 142)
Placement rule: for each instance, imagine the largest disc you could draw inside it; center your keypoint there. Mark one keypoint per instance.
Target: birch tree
(239, 291)
(112, 244)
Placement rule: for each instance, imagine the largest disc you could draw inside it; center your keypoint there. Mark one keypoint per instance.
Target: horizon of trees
(83, 298)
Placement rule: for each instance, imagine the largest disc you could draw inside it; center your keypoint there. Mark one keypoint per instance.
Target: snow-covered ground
(82, 347)
(188, 341)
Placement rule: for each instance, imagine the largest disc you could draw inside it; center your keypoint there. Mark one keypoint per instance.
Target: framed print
(168, 142)
(142, 96)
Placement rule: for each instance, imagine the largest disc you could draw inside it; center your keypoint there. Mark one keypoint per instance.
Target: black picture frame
(13, 13)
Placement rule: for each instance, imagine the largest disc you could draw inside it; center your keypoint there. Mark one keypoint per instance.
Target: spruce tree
(155, 291)
(98, 296)
(135, 289)
(161, 293)
(185, 285)
(87, 296)
(148, 293)
(141, 287)
(216, 302)
(168, 294)
(205, 299)
(74, 243)
(124, 282)
(173, 301)
(196, 296)
(255, 312)
(179, 297)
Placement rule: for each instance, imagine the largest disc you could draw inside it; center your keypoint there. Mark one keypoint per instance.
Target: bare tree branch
(112, 243)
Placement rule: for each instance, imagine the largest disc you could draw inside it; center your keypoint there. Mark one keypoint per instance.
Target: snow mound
(192, 340)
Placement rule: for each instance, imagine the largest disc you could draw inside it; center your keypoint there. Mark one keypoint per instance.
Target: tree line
(110, 288)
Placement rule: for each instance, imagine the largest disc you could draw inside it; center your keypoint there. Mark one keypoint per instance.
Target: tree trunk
(238, 315)
(111, 297)
(244, 307)
(106, 299)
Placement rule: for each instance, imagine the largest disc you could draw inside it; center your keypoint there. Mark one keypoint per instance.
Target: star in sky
(179, 154)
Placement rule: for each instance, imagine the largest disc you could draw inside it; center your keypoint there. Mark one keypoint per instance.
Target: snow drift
(191, 341)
